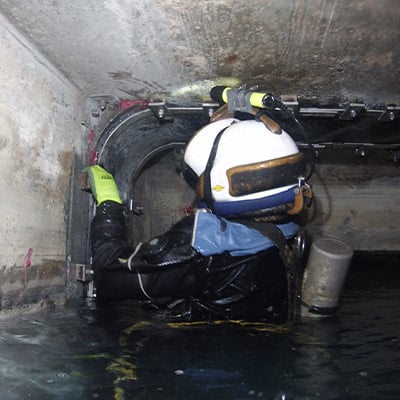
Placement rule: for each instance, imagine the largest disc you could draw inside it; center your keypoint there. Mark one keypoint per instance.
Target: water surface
(123, 352)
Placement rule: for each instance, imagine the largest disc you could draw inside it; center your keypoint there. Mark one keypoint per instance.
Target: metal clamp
(239, 100)
(352, 111)
(83, 273)
(161, 111)
(390, 114)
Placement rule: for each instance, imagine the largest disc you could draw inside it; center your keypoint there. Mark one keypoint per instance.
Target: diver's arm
(108, 229)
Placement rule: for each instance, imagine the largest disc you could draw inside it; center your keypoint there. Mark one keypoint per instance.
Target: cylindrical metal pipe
(324, 277)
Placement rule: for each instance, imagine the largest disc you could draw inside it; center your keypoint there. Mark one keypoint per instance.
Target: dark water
(118, 352)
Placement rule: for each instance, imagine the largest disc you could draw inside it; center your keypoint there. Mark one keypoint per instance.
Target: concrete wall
(356, 199)
(40, 133)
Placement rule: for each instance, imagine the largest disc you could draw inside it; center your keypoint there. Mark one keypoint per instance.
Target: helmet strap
(208, 199)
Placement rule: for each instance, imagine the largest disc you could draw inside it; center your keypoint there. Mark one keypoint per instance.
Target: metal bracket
(161, 111)
(209, 108)
(137, 209)
(352, 111)
(83, 273)
(396, 156)
(291, 101)
(390, 114)
(319, 112)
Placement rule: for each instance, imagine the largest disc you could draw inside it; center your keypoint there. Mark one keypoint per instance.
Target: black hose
(271, 103)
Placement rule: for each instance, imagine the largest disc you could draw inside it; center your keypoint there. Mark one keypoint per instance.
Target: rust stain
(231, 58)
(65, 159)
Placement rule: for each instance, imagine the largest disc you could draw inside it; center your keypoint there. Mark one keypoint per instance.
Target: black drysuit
(168, 272)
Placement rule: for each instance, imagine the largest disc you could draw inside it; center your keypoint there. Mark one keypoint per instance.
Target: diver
(233, 256)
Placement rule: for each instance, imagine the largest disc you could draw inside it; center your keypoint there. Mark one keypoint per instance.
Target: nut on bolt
(360, 151)
(396, 156)
(353, 113)
(161, 113)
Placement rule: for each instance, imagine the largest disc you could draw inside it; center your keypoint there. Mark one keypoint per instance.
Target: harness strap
(302, 198)
(275, 235)
(298, 203)
(278, 238)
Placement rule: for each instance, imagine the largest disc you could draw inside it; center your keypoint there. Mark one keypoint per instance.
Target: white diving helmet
(241, 168)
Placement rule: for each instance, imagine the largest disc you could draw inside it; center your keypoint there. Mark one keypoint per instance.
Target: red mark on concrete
(187, 210)
(27, 262)
(136, 104)
(91, 138)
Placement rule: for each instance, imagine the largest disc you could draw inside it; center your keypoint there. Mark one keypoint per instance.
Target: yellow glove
(102, 185)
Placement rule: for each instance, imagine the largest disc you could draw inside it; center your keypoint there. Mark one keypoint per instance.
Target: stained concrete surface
(40, 132)
(348, 49)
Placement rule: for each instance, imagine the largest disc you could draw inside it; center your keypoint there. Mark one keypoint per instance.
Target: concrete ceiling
(135, 49)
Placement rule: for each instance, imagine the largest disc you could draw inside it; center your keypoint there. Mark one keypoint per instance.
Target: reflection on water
(121, 352)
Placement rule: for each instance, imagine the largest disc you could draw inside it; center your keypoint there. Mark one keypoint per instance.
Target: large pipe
(324, 277)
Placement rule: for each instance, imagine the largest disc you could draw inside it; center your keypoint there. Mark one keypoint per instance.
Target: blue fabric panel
(215, 235)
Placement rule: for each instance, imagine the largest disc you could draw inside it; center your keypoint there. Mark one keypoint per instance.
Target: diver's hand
(102, 185)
